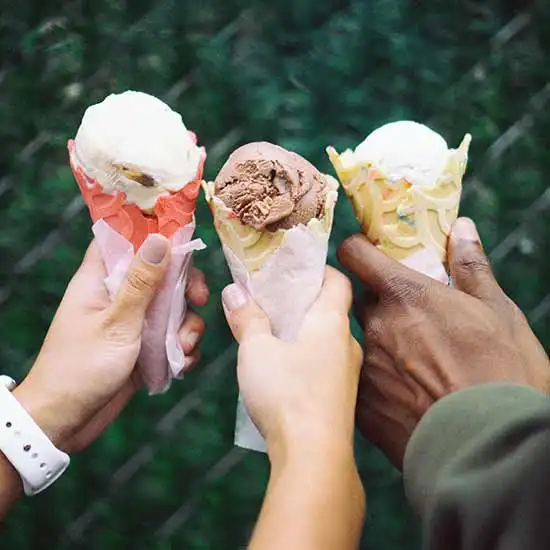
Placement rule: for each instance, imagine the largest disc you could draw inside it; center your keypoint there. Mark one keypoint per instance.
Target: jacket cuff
(453, 424)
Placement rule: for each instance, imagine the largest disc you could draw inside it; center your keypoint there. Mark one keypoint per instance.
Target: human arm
(302, 396)
(476, 469)
(84, 374)
(11, 488)
(455, 378)
(314, 500)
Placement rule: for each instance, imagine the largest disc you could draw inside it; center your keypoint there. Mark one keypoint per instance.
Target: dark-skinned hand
(425, 340)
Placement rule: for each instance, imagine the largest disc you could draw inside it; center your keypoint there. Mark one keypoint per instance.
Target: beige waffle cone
(400, 218)
(252, 247)
(282, 270)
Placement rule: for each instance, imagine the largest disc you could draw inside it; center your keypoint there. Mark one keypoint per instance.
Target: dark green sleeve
(477, 470)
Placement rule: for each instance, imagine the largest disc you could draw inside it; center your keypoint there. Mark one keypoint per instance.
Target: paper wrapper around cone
(283, 271)
(409, 223)
(119, 231)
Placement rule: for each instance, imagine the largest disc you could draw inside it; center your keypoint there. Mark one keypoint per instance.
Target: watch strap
(36, 459)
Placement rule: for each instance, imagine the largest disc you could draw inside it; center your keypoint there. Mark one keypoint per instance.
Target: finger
(88, 280)
(382, 274)
(142, 280)
(189, 363)
(335, 295)
(470, 268)
(375, 426)
(92, 258)
(191, 332)
(197, 291)
(378, 415)
(246, 319)
(191, 360)
(363, 306)
(357, 353)
(329, 313)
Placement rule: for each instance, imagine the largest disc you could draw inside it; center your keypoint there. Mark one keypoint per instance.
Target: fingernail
(465, 230)
(181, 374)
(188, 362)
(233, 297)
(154, 249)
(191, 340)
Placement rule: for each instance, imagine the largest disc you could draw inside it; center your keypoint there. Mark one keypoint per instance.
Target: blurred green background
(302, 73)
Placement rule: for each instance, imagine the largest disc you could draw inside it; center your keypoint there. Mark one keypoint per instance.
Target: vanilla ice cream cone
(406, 213)
(139, 171)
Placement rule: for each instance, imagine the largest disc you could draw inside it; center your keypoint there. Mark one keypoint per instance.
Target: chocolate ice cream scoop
(271, 188)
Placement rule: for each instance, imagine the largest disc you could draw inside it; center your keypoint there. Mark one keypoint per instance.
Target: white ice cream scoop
(405, 186)
(133, 142)
(404, 150)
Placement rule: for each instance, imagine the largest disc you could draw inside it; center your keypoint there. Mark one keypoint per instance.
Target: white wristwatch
(36, 459)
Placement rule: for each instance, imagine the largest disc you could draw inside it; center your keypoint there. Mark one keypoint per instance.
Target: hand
(425, 340)
(300, 392)
(84, 374)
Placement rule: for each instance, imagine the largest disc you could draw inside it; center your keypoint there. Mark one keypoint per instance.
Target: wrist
(11, 486)
(25, 444)
(45, 411)
(312, 446)
(328, 462)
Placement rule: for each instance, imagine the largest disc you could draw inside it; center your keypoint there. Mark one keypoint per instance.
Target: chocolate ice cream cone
(254, 247)
(282, 268)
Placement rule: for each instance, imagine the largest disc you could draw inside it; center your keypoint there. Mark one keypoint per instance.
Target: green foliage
(302, 73)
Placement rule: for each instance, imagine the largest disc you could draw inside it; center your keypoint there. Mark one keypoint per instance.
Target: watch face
(7, 382)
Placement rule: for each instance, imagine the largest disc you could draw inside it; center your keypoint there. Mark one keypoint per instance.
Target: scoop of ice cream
(133, 142)
(405, 150)
(271, 188)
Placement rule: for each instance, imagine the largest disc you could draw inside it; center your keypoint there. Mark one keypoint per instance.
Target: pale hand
(299, 393)
(85, 372)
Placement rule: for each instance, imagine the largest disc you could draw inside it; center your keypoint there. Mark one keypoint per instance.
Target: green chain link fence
(301, 73)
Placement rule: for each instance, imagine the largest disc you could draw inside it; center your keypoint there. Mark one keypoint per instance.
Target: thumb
(382, 274)
(469, 266)
(246, 319)
(142, 280)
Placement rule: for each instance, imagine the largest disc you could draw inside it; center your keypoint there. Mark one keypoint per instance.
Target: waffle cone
(169, 214)
(282, 270)
(252, 247)
(402, 219)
